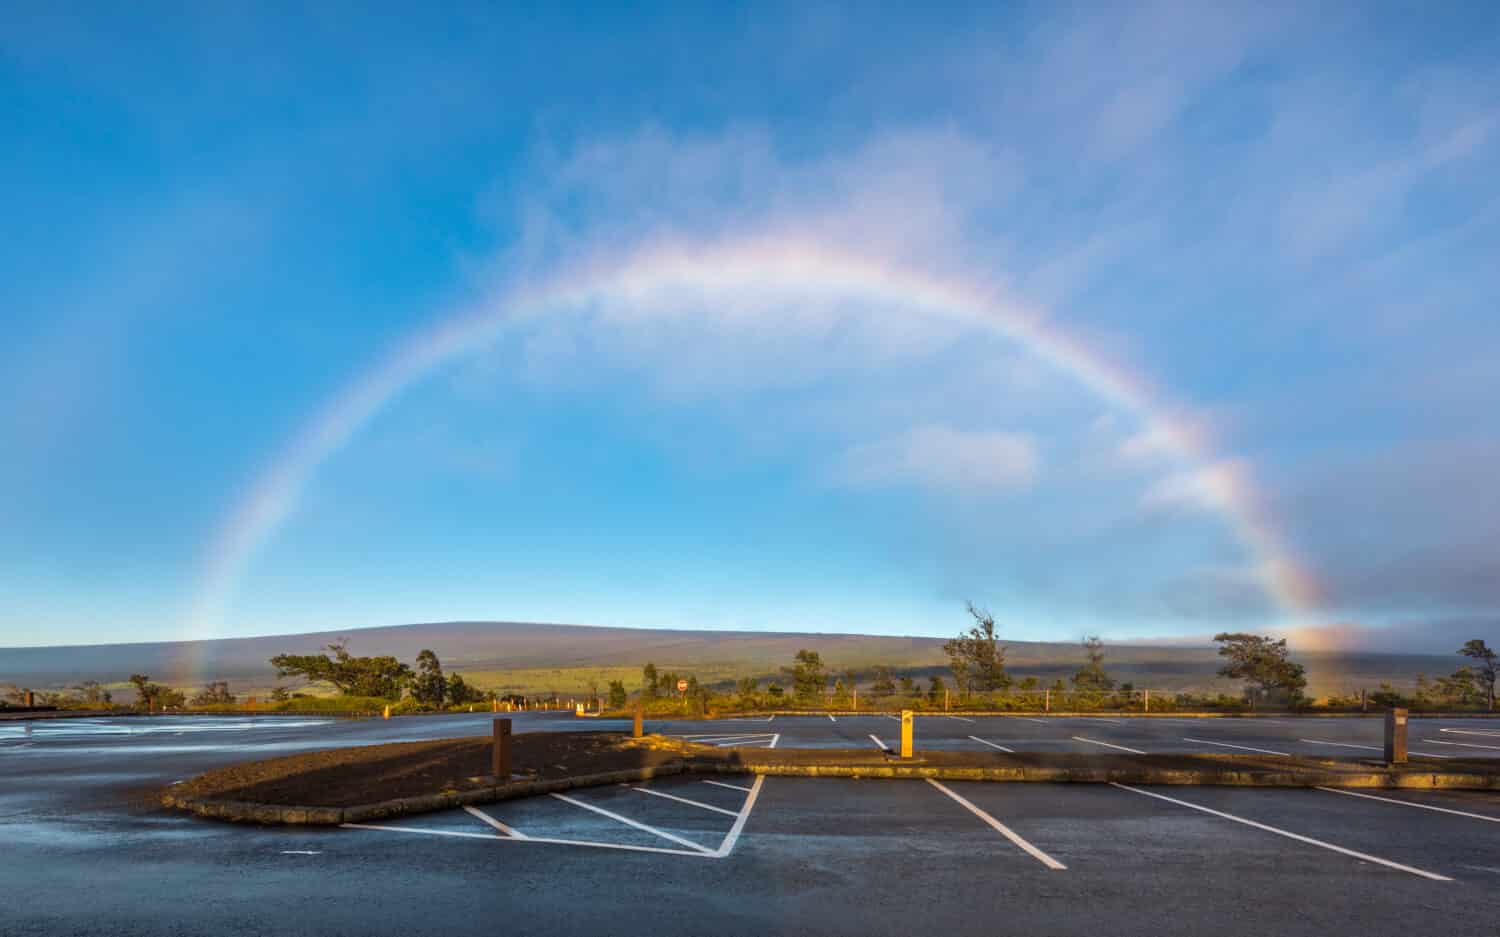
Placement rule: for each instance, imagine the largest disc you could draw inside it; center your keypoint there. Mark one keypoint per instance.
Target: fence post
(1047, 700)
(30, 699)
(387, 713)
(906, 746)
(945, 699)
(1148, 700)
(638, 728)
(500, 756)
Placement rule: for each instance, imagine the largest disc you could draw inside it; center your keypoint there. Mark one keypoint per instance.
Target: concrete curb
(298, 815)
(1039, 775)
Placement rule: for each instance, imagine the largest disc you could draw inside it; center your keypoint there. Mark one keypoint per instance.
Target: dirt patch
(347, 776)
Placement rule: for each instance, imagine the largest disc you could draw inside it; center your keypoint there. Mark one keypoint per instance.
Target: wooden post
(30, 699)
(855, 691)
(387, 713)
(945, 699)
(638, 727)
(906, 746)
(1047, 700)
(500, 756)
(1148, 700)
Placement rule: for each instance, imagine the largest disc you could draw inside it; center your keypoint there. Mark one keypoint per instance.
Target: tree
(215, 694)
(1262, 662)
(383, 677)
(883, 685)
(809, 678)
(1091, 676)
(746, 688)
(976, 657)
(1460, 689)
(280, 695)
(429, 686)
(93, 693)
(648, 682)
(460, 692)
(1489, 663)
(935, 689)
(617, 694)
(908, 685)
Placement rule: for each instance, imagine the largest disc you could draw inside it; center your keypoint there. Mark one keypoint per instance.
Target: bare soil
(345, 777)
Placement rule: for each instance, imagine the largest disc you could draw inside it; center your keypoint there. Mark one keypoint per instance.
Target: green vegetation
(1478, 651)
(1263, 663)
(976, 658)
(384, 677)
(809, 678)
(1091, 677)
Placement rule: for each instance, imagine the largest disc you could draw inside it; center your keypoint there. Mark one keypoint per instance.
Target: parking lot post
(1047, 700)
(1148, 700)
(30, 699)
(386, 714)
(500, 757)
(906, 733)
(638, 724)
(1395, 737)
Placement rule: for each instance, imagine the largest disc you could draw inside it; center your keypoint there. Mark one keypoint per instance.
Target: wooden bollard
(500, 756)
(30, 699)
(387, 713)
(638, 728)
(906, 746)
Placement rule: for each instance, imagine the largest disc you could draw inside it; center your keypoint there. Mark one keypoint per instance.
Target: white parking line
(831, 719)
(505, 830)
(883, 746)
(774, 739)
(1263, 751)
(1288, 834)
(1133, 751)
(733, 787)
(992, 744)
(1493, 748)
(733, 836)
(490, 837)
(1001, 828)
(757, 740)
(301, 852)
(1372, 748)
(960, 718)
(1030, 719)
(1408, 803)
(684, 800)
(889, 716)
(673, 837)
(1487, 733)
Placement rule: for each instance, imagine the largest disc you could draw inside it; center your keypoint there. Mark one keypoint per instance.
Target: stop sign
(681, 686)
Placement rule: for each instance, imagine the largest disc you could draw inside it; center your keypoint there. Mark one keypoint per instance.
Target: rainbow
(736, 268)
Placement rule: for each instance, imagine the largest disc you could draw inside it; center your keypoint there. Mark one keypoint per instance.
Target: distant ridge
(505, 646)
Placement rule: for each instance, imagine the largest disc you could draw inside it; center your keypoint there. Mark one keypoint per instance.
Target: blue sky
(1279, 226)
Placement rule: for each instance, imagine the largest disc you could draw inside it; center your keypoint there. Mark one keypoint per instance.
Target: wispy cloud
(943, 457)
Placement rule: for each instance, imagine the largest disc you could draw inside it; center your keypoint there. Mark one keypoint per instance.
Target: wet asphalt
(86, 851)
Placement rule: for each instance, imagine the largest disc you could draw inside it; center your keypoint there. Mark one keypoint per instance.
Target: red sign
(681, 686)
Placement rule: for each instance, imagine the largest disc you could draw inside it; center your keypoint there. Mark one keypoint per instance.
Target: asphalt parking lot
(88, 853)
